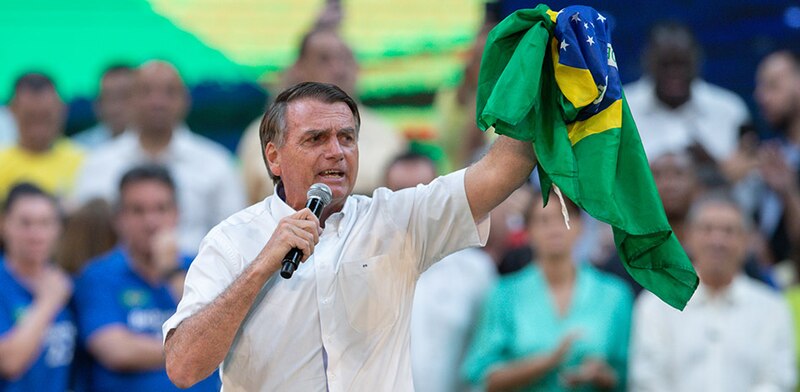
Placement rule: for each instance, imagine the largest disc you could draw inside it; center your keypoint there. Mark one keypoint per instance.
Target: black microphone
(319, 195)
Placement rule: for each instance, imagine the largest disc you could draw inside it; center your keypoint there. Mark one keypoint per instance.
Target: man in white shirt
(448, 296)
(209, 188)
(674, 108)
(112, 107)
(735, 334)
(341, 323)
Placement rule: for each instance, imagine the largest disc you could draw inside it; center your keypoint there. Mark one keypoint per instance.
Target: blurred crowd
(99, 228)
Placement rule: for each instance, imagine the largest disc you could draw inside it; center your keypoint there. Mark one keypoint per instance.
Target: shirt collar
(730, 295)
(338, 221)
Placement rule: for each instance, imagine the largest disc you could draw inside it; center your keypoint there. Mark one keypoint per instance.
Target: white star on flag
(564, 45)
(601, 18)
(575, 18)
(590, 40)
(585, 25)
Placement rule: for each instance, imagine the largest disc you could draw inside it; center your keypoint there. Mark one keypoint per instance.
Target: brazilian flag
(551, 78)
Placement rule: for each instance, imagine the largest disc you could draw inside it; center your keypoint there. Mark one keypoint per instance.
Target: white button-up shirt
(208, 186)
(447, 303)
(739, 340)
(341, 323)
(712, 117)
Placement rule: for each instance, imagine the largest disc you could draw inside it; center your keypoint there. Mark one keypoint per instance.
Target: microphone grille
(320, 191)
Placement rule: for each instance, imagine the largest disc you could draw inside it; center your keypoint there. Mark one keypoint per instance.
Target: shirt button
(325, 301)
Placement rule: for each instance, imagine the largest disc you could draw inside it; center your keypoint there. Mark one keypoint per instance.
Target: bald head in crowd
(672, 58)
(160, 99)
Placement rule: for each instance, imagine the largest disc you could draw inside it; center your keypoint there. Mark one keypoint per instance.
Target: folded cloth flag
(552, 79)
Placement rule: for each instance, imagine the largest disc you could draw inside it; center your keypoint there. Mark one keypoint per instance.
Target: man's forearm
(491, 180)
(199, 344)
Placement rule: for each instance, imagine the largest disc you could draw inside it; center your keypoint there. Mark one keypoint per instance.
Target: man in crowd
(208, 186)
(675, 109)
(40, 156)
(776, 197)
(325, 57)
(123, 297)
(448, 296)
(342, 321)
(735, 334)
(112, 107)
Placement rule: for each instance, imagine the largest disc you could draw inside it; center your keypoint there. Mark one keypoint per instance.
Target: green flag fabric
(551, 78)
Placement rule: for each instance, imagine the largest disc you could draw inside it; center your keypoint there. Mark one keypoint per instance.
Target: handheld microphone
(319, 195)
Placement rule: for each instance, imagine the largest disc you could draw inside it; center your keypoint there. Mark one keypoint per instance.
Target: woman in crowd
(555, 324)
(37, 332)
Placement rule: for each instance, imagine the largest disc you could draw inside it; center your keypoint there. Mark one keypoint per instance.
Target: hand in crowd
(52, 288)
(775, 171)
(300, 230)
(165, 251)
(743, 160)
(593, 371)
(558, 355)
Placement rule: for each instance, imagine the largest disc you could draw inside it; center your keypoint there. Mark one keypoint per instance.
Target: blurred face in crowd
(672, 61)
(31, 229)
(778, 89)
(547, 232)
(410, 173)
(717, 243)
(146, 208)
(676, 183)
(40, 116)
(160, 99)
(114, 105)
(320, 146)
(328, 59)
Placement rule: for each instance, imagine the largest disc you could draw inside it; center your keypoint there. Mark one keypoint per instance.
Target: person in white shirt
(735, 334)
(112, 107)
(674, 108)
(448, 296)
(209, 187)
(341, 323)
(8, 128)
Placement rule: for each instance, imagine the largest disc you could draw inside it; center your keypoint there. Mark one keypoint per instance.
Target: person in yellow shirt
(41, 156)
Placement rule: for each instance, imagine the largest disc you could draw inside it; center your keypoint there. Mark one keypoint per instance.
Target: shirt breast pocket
(369, 289)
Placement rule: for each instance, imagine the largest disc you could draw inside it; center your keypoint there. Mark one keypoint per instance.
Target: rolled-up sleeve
(212, 271)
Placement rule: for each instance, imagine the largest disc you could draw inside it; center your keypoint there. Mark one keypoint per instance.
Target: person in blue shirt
(37, 331)
(123, 297)
(554, 325)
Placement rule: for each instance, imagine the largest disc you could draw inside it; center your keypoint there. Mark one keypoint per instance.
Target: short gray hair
(273, 124)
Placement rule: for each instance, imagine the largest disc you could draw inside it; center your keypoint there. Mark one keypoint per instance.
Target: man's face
(329, 60)
(31, 229)
(160, 100)
(408, 174)
(778, 90)
(673, 66)
(147, 207)
(676, 182)
(40, 116)
(114, 105)
(717, 242)
(320, 146)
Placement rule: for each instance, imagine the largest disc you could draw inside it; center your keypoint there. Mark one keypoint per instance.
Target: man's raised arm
(500, 172)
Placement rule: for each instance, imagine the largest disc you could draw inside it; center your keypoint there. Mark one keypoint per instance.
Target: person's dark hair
(22, 190)
(33, 81)
(118, 68)
(273, 124)
(411, 156)
(536, 204)
(671, 32)
(146, 172)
